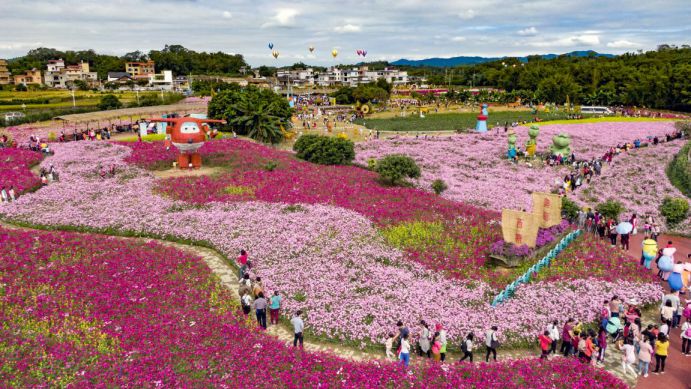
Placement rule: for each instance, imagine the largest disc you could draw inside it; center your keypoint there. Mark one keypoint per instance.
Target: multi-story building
(5, 77)
(361, 75)
(60, 76)
(32, 76)
(299, 77)
(140, 69)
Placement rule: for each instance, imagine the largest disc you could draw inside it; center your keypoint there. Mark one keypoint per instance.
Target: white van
(597, 110)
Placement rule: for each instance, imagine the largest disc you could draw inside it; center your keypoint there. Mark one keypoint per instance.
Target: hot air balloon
(358, 52)
(271, 46)
(364, 53)
(311, 49)
(274, 54)
(334, 53)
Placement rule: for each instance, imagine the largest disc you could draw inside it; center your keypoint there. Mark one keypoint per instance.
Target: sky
(387, 30)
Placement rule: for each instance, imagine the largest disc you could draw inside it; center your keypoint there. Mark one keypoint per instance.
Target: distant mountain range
(456, 61)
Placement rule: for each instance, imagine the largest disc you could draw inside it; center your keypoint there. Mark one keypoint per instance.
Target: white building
(163, 80)
(362, 75)
(60, 75)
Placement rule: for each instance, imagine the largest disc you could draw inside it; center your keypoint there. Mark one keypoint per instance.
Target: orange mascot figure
(188, 134)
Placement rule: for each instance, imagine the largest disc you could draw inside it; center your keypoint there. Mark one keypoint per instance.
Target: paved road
(678, 368)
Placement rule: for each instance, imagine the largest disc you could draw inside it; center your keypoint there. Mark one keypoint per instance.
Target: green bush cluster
(679, 170)
(610, 209)
(439, 186)
(325, 150)
(395, 168)
(674, 209)
(569, 208)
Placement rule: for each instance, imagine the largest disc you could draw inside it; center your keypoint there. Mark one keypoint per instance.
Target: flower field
(476, 169)
(86, 310)
(15, 170)
(637, 180)
(294, 245)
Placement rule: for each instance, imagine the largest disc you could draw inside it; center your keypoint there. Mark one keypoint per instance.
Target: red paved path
(678, 367)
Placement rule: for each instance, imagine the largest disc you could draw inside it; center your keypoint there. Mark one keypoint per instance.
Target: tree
(395, 168)
(257, 120)
(257, 113)
(109, 101)
(81, 84)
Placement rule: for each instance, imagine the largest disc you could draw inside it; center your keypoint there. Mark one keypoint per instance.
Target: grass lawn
(453, 121)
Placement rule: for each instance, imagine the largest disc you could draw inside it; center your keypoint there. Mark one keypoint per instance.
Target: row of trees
(656, 79)
(173, 57)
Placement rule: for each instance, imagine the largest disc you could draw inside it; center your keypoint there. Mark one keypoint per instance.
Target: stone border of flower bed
(545, 261)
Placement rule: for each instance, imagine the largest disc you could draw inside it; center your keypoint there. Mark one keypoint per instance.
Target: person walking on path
(467, 347)
(442, 339)
(260, 309)
(545, 344)
(628, 356)
(601, 344)
(298, 327)
(661, 349)
(492, 343)
(553, 330)
(246, 302)
(566, 338)
(424, 339)
(275, 307)
(405, 350)
(686, 337)
(3, 195)
(645, 354)
(389, 347)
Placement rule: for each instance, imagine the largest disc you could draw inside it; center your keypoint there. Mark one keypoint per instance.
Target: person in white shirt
(467, 347)
(298, 327)
(554, 335)
(3, 194)
(686, 337)
(405, 350)
(389, 347)
(491, 342)
(11, 193)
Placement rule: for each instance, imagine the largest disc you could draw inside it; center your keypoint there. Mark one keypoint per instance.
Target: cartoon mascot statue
(188, 134)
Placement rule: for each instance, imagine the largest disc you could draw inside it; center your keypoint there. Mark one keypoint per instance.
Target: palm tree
(256, 119)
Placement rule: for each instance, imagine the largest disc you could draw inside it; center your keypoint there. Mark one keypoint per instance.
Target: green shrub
(325, 150)
(569, 208)
(304, 141)
(679, 170)
(674, 209)
(439, 186)
(270, 166)
(109, 102)
(610, 209)
(394, 169)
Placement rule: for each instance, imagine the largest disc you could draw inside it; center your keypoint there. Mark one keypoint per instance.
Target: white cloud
(227, 15)
(569, 41)
(623, 44)
(530, 31)
(467, 14)
(458, 39)
(284, 17)
(347, 28)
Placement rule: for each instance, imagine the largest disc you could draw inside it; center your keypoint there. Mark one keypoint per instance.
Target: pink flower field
(477, 171)
(15, 165)
(87, 310)
(293, 247)
(637, 180)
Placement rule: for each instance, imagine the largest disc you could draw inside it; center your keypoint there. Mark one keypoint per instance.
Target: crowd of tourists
(621, 327)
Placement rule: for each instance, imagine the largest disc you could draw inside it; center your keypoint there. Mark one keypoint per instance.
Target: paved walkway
(678, 368)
